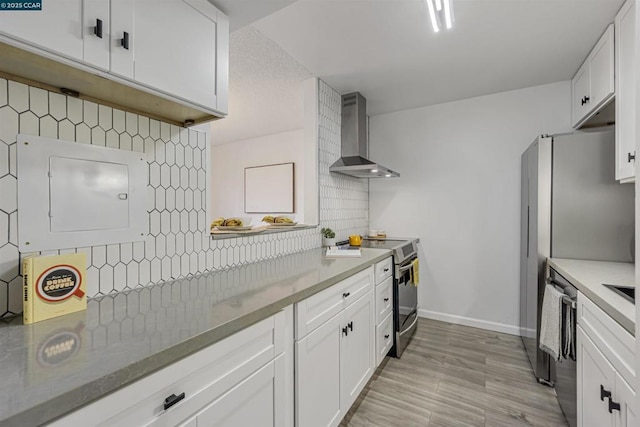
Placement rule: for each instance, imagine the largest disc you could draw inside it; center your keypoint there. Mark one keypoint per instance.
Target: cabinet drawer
(384, 299)
(203, 377)
(384, 338)
(613, 340)
(384, 269)
(317, 309)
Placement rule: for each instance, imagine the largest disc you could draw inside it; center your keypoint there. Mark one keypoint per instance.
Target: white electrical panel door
(88, 195)
(76, 195)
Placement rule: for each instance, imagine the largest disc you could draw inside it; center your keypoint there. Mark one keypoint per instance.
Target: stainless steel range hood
(355, 146)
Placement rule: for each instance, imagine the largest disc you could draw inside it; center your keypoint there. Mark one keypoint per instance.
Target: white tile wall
(344, 200)
(177, 245)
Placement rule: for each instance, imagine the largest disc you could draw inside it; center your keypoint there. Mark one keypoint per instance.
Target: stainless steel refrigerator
(572, 207)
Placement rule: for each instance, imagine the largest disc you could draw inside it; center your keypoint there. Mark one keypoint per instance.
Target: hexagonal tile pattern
(57, 106)
(74, 110)
(3, 92)
(9, 127)
(176, 197)
(66, 130)
(4, 159)
(8, 192)
(18, 96)
(48, 127)
(90, 113)
(4, 228)
(29, 123)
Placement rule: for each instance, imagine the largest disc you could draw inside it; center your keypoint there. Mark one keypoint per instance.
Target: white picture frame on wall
(269, 188)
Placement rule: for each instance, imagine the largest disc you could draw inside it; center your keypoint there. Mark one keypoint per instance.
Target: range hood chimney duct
(355, 145)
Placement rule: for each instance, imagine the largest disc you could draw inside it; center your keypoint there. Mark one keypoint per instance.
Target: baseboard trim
(468, 321)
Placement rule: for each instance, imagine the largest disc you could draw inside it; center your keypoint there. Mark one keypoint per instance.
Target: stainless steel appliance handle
(569, 301)
(410, 327)
(405, 268)
(566, 299)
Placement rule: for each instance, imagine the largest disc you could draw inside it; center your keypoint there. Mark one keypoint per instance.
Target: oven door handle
(405, 268)
(412, 324)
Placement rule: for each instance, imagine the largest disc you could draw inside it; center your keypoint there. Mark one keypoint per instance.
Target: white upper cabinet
(579, 91)
(593, 84)
(57, 28)
(171, 46)
(625, 24)
(174, 49)
(96, 33)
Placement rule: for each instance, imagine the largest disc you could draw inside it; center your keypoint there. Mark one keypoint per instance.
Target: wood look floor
(453, 375)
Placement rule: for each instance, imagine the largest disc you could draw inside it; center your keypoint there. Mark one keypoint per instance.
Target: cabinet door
(318, 376)
(625, 26)
(580, 92)
(357, 351)
(628, 415)
(35, 27)
(96, 31)
(601, 64)
(595, 376)
(175, 48)
(121, 52)
(257, 401)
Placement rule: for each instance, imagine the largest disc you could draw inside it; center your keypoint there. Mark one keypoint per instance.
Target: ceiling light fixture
(432, 15)
(440, 12)
(374, 170)
(448, 16)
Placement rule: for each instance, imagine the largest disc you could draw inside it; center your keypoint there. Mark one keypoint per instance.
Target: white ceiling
(387, 50)
(243, 12)
(265, 94)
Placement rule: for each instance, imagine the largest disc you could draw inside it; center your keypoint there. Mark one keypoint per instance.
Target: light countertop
(589, 277)
(55, 366)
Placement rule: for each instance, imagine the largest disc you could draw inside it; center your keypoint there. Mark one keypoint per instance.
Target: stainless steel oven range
(405, 294)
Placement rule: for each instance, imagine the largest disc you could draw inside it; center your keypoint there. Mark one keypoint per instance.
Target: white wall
(229, 160)
(459, 192)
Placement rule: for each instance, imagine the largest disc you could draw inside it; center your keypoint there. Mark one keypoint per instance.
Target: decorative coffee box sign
(53, 286)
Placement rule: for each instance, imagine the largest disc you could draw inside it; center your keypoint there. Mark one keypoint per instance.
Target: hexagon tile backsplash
(178, 244)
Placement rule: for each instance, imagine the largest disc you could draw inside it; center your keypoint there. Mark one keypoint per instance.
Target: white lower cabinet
(241, 380)
(604, 369)
(318, 376)
(384, 309)
(596, 381)
(357, 352)
(256, 401)
(335, 360)
(628, 416)
(384, 338)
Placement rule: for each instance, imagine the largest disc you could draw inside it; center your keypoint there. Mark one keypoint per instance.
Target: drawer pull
(386, 269)
(350, 325)
(345, 331)
(631, 157)
(172, 400)
(604, 393)
(386, 336)
(346, 294)
(613, 406)
(386, 300)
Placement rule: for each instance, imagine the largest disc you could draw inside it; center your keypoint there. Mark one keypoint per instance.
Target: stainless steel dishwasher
(566, 369)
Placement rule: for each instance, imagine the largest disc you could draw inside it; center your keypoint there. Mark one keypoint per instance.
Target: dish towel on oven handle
(551, 322)
(415, 272)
